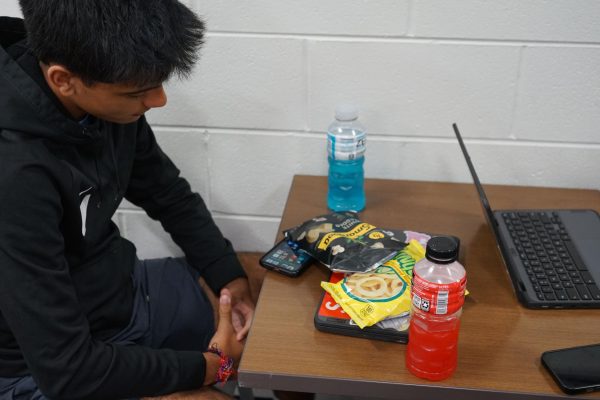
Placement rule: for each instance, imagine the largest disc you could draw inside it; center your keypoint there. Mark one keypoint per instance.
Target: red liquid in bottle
(436, 355)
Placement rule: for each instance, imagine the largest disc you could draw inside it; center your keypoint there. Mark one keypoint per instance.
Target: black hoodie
(65, 270)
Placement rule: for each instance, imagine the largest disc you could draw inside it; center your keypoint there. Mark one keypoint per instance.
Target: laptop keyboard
(552, 263)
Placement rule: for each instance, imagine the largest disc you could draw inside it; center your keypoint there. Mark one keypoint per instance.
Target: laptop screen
(487, 210)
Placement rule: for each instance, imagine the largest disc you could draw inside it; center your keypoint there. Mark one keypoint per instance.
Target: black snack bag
(344, 243)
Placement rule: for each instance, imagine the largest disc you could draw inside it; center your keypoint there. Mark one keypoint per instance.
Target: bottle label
(351, 148)
(437, 298)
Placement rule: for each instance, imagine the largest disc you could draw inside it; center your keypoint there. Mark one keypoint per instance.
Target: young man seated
(81, 317)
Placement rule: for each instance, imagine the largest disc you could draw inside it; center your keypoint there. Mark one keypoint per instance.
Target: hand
(243, 307)
(225, 338)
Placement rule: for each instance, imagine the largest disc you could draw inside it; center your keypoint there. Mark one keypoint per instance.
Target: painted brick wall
(521, 78)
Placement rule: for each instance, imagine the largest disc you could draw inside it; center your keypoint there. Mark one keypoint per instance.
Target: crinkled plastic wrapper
(344, 243)
(382, 294)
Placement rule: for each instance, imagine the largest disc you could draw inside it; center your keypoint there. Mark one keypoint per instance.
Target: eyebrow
(141, 90)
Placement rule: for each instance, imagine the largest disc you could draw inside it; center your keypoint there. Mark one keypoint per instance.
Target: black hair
(137, 42)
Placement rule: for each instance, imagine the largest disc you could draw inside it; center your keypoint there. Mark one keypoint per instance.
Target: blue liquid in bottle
(346, 185)
(346, 144)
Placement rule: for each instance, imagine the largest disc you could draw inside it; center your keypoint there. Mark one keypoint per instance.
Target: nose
(155, 98)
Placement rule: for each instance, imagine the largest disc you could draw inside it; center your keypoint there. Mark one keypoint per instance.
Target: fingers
(241, 335)
(247, 312)
(237, 319)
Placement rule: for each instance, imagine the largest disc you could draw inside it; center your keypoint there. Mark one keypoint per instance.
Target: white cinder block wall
(521, 78)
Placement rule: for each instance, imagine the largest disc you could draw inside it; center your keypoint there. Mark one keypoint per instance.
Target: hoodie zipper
(93, 135)
(90, 134)
(99, 203)
(98, 145)
(112, 146)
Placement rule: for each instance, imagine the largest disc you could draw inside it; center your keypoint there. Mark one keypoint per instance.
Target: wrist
(220, 362)
(212, 365)
(239, 286)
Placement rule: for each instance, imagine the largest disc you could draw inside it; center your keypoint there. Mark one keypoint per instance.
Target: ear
(61, 80)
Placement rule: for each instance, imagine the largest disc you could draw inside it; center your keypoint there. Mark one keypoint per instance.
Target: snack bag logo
(376, 235)
(358, 230)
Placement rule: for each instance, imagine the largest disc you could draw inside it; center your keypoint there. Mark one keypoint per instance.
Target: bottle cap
(346, 112)
(442, 249)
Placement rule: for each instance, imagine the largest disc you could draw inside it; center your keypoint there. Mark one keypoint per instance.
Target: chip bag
(344, 243)
(379, 294)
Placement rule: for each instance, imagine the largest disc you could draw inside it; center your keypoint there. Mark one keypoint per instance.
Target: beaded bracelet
(225, 364)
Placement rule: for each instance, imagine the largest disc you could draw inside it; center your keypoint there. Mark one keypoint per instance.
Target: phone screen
(282, 258)
(575, 369)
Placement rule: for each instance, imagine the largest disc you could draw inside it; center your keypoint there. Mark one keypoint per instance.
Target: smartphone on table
(282, 258)
(575, 369)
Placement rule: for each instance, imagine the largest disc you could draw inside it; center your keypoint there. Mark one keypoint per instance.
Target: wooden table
(500, 341)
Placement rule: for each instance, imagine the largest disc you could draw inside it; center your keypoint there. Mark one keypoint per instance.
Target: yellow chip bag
(369, 297)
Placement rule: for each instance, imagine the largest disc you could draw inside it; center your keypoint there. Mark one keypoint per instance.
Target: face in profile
(122, 103)
(119, 103)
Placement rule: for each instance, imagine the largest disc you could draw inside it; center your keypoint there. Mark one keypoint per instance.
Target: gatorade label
(346, 148)
(436, 298)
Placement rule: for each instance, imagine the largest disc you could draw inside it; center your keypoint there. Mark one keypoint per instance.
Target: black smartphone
(575, 369)
(282, 258)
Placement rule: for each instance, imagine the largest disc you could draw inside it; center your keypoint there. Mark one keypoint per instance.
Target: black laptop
(552, 256)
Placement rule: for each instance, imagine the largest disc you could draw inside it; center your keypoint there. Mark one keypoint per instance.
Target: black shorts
(170, 310)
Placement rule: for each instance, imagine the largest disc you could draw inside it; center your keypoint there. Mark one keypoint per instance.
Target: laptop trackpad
(583, 227)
